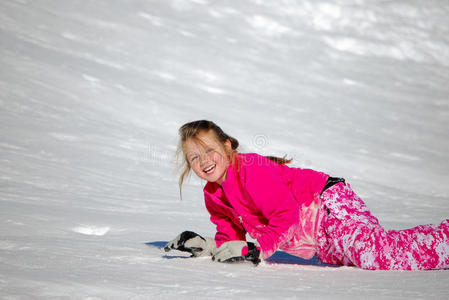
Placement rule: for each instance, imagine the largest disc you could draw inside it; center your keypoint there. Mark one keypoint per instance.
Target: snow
(92, 94)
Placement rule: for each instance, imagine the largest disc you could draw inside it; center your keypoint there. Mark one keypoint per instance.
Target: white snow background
(92, 94)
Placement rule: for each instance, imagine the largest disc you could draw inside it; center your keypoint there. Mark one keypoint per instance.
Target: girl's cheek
(196, 169)
(218, 157)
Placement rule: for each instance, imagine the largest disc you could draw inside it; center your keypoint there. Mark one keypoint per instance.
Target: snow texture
(92, 94)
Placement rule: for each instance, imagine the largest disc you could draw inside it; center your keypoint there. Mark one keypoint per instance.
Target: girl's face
(208, 159)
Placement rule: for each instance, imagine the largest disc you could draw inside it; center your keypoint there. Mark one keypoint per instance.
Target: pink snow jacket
(277, 205)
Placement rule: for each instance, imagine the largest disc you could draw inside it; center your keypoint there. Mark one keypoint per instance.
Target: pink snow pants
(350, 235)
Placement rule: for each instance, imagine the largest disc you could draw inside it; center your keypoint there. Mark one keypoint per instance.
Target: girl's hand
(233, 251)
(192, 242)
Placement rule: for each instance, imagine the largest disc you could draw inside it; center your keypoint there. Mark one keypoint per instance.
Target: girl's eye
(193, 158)
(209, 150)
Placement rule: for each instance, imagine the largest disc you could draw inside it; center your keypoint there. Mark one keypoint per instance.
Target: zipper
(241, 223)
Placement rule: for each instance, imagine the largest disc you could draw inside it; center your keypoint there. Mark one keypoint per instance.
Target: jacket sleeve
(226, 229)
(276, 203)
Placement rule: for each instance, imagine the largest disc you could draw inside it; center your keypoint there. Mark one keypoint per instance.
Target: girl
(300, 211)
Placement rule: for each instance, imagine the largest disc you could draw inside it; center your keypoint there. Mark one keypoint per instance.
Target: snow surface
(92, 94)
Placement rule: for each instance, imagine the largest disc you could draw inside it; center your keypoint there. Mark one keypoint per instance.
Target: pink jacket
(277, 205)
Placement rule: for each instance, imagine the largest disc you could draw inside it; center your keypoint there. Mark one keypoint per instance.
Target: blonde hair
(191, 130)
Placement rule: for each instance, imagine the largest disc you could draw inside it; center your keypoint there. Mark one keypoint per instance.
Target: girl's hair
(192, 129)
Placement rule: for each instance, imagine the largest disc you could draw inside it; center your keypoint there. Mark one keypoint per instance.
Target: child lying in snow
(300, 211)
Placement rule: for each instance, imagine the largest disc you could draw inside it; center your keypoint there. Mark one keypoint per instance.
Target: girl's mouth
(209, 169)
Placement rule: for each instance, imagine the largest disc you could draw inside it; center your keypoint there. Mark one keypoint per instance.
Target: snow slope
(92, 94)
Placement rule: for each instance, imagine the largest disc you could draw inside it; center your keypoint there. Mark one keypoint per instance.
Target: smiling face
(208, 157)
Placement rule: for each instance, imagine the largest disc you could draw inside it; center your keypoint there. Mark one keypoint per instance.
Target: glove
(233, 251)
(192, 242)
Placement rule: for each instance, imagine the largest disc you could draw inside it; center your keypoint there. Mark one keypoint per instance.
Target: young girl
(300, 211)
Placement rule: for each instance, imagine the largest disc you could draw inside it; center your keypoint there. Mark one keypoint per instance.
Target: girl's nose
(203, 158)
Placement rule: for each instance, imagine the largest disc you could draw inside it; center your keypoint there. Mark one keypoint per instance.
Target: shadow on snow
(279, 257)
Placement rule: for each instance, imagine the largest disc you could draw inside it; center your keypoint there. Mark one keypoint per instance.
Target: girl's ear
(228, 146)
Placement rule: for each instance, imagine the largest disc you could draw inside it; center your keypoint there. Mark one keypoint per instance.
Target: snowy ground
(92, 94)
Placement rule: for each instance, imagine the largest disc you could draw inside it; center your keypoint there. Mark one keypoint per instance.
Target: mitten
(192, 242)
(233, 251)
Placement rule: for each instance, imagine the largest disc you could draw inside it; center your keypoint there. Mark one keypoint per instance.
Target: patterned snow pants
(350, 235)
